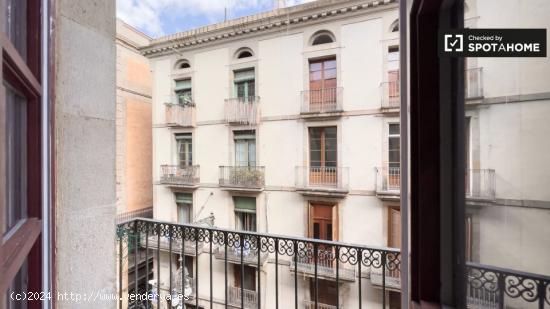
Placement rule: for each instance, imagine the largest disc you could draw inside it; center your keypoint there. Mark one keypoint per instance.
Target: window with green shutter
(245, 84)
(185, 149)
(184, 202)
(183, 92)
(245, 213)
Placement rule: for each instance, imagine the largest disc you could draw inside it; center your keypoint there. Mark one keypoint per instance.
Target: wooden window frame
(23, 241)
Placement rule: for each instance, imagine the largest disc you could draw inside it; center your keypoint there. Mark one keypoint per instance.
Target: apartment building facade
(287, 123)
(133, 131)
(261, 128)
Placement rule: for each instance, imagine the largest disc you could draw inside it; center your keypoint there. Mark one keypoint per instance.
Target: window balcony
(325, 102)
(242, 178)
(322, 180)
(242, 298)
(242, 111)
(180, 116)
(322, 267)
(310, 304)
(151, 242)
(480, 184)
(180, 176)
(390, 95)
(388, 182)
(473, 83)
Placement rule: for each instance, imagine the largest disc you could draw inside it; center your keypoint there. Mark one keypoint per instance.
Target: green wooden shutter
(183, 84)
(245, 204)
(184, 198)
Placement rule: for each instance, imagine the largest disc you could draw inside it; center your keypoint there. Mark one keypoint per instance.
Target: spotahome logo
(492, 43)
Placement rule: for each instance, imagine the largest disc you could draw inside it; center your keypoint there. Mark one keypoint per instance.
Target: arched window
(395, 26)
(322, 37)
(244, 53)
(183, 64)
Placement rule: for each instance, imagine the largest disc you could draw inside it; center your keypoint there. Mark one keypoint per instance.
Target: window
(393, 74)
(245, 148)
(395, 26)
(321, 222)
(244, 84)
(322, 147)
(20, 150)
(394, 152)
(185, 149)
(184, 202)
(16, 25)
(248, 274)
(322, 37)
(184, 65)
(245, 213)
(244, 54)
(322, 84)
(183, 92)
(16, 155)
(394, 227)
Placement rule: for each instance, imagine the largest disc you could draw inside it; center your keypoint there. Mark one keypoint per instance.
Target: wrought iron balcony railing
(322, 178)
(326, 100)
(242, 298)
(480, 184)
(245, 110)
(388, 180)
(308, 304)
(323, 266)
(487, 286)
(248, 254)
(178, 115)
(473, 82)
(391, 279)
(130, 215)
(176, 175)
(191, 249)
(494, 287)
(343, 262)
(390, 94)
(242, 177)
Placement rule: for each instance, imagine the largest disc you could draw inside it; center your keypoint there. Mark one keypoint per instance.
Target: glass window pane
(394, 128)
(16, 156)
(506, 157)
(16, 25)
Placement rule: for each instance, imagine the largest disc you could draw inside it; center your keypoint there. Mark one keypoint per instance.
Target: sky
(162, 17)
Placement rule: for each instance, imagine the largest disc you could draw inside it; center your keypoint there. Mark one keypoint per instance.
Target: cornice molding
(249, 25)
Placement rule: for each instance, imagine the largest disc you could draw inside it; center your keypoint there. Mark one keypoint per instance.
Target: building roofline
(245, 26)
(134, 29)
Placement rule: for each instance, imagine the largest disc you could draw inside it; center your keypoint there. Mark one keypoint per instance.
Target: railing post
(295, 274)
(542, 293)
(120, 238)
(501, 289)
(276, 274)
(158, 265)
(225, 238)
(147, 263)
(359, 262)
(210, 235)
(384, 256)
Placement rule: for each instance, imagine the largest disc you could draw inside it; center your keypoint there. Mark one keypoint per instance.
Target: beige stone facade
(133, 122)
